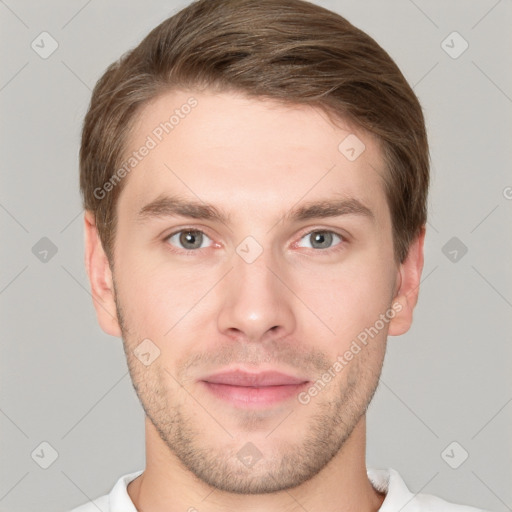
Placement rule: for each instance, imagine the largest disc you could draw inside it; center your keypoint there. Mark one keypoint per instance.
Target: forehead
(245, 154)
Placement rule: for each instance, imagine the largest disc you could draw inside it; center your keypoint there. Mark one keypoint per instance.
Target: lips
(242, 389)
(254, 380)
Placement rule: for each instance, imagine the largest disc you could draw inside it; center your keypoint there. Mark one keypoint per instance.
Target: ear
(100, 278)
(406, 297)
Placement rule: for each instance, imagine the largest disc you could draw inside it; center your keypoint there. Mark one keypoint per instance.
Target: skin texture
(294, 309)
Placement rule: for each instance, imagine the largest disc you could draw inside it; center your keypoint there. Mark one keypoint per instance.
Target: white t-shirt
(398, 497)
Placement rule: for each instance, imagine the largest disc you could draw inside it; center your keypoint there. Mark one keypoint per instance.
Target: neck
(341, 486)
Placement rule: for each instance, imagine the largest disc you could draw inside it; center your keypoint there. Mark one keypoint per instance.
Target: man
(255, 177)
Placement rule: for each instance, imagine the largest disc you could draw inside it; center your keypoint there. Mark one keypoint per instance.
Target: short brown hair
(287, 50)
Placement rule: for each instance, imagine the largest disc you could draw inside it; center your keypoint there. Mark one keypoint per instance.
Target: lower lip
(241, 396)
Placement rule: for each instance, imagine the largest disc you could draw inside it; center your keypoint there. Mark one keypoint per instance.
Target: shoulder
(101, 503)
(398, 496)
(429, 503)
(118, 498)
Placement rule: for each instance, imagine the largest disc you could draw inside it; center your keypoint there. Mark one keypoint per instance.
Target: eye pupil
(193, 238)
(323, 238)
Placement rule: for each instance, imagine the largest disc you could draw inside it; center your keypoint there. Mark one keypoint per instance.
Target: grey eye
(320, 239)
(189, 239)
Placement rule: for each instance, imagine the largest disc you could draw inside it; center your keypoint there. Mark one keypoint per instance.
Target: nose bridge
(254, 299)
(255, 275)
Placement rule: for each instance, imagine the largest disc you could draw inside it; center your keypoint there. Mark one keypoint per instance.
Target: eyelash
(338, 247)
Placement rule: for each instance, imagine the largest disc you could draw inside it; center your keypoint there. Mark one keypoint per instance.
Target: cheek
(348, 297)
(157, 297)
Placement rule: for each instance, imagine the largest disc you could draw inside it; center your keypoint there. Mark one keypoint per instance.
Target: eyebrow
(173, 206)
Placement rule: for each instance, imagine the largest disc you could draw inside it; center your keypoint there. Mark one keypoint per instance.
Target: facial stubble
(183, 424)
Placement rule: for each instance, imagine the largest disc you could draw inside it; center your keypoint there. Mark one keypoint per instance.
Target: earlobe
(409, 283)
(100, 278)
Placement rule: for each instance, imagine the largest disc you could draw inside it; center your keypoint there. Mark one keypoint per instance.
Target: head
(255, 179)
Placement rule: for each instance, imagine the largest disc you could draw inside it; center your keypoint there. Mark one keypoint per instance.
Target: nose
(256, 302)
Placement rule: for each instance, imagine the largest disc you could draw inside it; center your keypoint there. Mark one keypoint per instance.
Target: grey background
(64, 382)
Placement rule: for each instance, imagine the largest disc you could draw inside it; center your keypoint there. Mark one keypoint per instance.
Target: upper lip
(242, 378)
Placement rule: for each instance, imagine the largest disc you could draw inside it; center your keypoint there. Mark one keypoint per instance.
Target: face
(253, 254)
